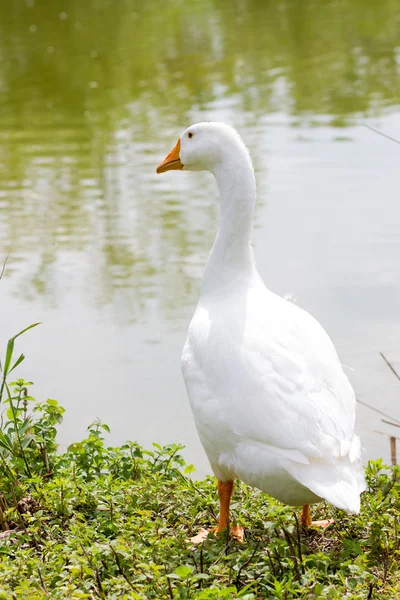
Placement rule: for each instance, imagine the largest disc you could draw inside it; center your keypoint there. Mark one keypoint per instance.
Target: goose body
(271, 402)
(272, 405)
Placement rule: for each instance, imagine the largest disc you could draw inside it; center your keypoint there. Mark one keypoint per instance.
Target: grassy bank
(102, 522)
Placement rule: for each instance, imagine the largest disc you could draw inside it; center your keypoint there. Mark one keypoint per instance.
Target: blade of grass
(26, 329)
(9, 354)
(17, 362)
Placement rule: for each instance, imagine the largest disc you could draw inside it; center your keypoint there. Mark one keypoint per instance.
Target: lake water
(109, 256)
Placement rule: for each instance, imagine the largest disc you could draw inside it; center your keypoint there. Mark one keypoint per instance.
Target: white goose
(272, 405)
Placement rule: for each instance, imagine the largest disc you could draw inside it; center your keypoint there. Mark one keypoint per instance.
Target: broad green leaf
(189, 469)
(183, 571)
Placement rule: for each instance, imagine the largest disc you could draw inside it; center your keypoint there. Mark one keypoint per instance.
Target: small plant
(27, 428)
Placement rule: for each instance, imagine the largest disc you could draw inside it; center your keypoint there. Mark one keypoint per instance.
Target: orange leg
(306, 521)
(305, 517)
(224, 493)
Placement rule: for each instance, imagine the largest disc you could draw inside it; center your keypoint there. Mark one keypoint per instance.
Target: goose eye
(190, 135)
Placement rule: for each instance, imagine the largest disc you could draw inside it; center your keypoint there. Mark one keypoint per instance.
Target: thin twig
(390, 366)
(299, 542)
(380, 133)
(3, 501)
(99, 585)
(201, 559)
(190, 482)
(218, 558)
(390, 423)
(393, 453)
(170, 592)
(100, 591)
(371, 588)
(21, 518)
(43, 586)
(120, 569)
(270, 562)
(237, 582)
(293, 553)
(4, 266)
(3, 521)
(378, 411)
(278, 558)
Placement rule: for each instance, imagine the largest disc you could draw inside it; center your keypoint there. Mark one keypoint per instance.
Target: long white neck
(232, 255)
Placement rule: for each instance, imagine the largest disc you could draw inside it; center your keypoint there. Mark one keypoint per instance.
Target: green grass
(102, 522)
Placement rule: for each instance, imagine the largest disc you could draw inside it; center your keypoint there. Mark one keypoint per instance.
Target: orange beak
(172, 161)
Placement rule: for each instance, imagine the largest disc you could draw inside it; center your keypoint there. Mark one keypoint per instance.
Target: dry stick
(390, 366)
(392, 439)
(377, 410)
(383, 433)
(4, 501)
(390, 423)
(380, 133)
(393, 454)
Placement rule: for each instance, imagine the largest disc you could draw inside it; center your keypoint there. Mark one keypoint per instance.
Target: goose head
(206, 147)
